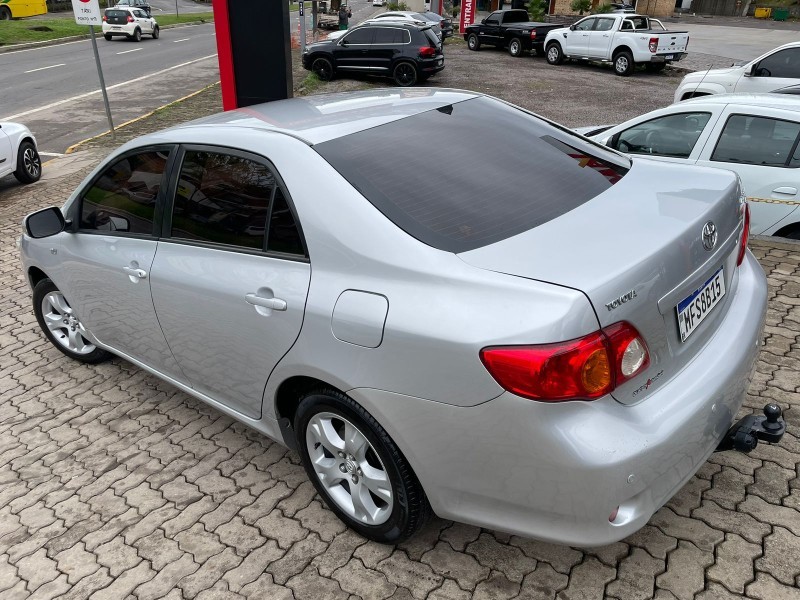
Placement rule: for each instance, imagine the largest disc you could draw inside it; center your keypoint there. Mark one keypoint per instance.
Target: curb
(77, 145)
(78, 38)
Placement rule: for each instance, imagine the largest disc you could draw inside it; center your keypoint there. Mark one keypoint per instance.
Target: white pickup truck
(622, 39)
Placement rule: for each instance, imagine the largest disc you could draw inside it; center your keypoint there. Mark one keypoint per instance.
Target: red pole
(227, 76)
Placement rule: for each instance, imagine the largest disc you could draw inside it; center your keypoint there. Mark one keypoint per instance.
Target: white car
(774, 70)
(411, 17)
(754, 135)
(378, 2)
(131, 23)
(18, 153)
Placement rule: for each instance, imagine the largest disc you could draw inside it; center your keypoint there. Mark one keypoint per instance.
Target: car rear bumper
(117, 30)
(431, 66)
(557, 471)
(664, 57)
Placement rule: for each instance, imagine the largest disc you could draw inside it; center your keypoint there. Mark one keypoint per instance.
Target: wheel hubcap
(349, 468)
(64, 325)
(552, 54)
(405, 74)
(622, 64)
(31, 162)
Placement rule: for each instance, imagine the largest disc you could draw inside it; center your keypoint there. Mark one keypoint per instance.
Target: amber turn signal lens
(596, 373)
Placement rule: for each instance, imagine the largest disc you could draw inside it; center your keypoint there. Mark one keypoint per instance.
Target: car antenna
(711, 66)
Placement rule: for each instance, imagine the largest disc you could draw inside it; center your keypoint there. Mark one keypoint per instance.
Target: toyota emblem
(709, 235)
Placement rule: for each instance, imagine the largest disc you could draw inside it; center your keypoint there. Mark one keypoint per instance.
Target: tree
(580, 6)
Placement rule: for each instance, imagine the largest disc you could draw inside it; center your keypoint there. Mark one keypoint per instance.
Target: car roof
(395, 23)
(324, 117)
(769, 100)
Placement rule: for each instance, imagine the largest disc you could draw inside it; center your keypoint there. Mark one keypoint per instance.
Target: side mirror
(750, 71)
(483, 21)
(45, 223)
(572, 27)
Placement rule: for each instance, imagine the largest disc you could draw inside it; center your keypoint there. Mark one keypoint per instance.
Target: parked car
(621, 7)
(140, 4)
(444, 23)
(776, 69)
(510, 29)
(754, 135)
(423, 343)
(18, 153)
(378, 2)
(406, 52)
(624, 40)
(411, 17)
(129, 23)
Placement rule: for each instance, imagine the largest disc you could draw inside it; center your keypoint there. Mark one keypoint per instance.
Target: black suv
(406, 52)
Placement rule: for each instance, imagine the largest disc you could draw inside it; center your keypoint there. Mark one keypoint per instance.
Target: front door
(231, 276)
(776, 71)
(352, 52)
(6, 163)
(578, 38)
(110, 254)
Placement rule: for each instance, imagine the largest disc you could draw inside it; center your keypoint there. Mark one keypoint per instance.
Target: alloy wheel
(622, 64)
(349, 468)
(31, 162)
(405, 74)
(64, 325)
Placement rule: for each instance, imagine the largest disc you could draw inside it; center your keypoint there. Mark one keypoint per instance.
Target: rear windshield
(516, 16)
(472, 173)
(117, 13)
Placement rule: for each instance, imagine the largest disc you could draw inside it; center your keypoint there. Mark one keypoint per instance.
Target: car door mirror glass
(45, 223)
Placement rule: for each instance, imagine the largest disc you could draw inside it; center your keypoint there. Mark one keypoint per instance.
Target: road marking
(111, 87)
(126, 51)
(53, 154)
(183, 40)
(43, 68)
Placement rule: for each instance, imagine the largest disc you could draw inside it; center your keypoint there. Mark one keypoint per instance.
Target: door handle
(140, 273)
(789, 191)
(273, 303)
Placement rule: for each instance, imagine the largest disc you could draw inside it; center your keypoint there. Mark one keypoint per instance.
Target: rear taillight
(427, 52)
(745, 235)
(653, 45)
(533, 35)
(582, 369)
(105, 18)
(130, 19)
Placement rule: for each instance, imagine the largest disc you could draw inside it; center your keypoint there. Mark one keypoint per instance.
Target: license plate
(692, 310)
(440, 62)
(115, 27)
(669, 57)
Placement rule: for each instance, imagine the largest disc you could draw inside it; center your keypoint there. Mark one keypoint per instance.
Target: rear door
(578, 38)
(763, 149)
(779, 69)
(600, 37)
(387, 44)
(6, 160)
(231, 275)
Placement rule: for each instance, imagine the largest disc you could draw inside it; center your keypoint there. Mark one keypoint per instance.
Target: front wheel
(5, 13)
(61, 326)
(156, 32)
(555, 56)
(473, 43)
(623, 64)
(323, 68)
(515, 47)
(357, 468)
(29, 165)
(405, 74)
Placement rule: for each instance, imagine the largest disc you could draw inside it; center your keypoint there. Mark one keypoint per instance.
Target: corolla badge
(709, 235)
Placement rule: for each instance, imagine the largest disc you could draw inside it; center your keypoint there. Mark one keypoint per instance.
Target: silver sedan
(545, 337)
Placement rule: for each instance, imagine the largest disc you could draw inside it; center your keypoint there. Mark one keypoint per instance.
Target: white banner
(87, 12)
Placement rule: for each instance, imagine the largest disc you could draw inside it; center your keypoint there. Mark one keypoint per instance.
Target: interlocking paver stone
(167, 578)
(76, 562)
(355, 578)
(730, 568)
(543, 584)
(685, 570)
(37, 569)
(254, 564)
(417, 577)
(636, 576)
(781, 556)
(462, 567)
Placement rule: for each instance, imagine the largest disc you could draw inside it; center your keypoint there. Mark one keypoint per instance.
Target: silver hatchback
(547, 338)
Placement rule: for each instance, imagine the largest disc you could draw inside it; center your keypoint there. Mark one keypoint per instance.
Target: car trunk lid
(117, 17)
(637, 252)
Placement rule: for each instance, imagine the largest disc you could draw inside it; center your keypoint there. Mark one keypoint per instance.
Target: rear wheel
(357, 468)
(5, 13)
(473, 43)
(405, 74)
(555, 56)
(137, 35)
(655, 67)
(623, 64)
(323, 68)
(156, 32)
(515, 47)
(29, 165)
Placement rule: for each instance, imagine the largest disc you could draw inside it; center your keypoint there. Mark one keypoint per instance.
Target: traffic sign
(87, 12)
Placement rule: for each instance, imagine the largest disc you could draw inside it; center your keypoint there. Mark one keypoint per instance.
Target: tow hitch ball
(744, 435)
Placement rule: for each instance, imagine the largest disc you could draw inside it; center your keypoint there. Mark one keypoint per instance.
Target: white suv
(128, 22)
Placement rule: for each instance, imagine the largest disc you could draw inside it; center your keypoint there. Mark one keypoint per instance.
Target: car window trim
(786, 164)
(158, 213)
(169, 201)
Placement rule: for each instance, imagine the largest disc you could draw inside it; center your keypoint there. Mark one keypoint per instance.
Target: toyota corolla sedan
(549, 341)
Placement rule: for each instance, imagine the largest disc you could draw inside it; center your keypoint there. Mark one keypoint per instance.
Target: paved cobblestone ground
(115, 485)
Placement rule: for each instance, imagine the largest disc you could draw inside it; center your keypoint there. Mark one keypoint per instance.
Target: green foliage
(397, 6)
(603, 9)
(580, 6)
(537, 9)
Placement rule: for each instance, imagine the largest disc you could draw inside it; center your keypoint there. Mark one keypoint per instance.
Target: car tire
(60, 326)
(623, 63)
(29, 164)
(107, 37)
(156, 32)
(323, 68)
(473, 43)
(5, 13)
(405, 74)
(515, 48)
(554, 54)
(389, 509)
(655, 67)
(137, 35)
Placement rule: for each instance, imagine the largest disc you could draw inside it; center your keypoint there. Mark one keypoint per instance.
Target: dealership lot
(116, 484)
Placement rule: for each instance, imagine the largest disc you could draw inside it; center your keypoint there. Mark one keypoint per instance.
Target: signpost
(467, 14)
(87, 12)
(302, 26)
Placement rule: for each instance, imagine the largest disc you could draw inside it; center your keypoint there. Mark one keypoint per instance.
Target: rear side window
(390, 35)
(502, 172)
(123, 198)
(432, 39)
(757, 141)
(604, 24)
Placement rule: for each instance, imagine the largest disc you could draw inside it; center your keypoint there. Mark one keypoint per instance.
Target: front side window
(784, 63)
(359, 36)
(493, 21)
(585, 25)
(123, 198)
(757, 141)
(671, 135)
